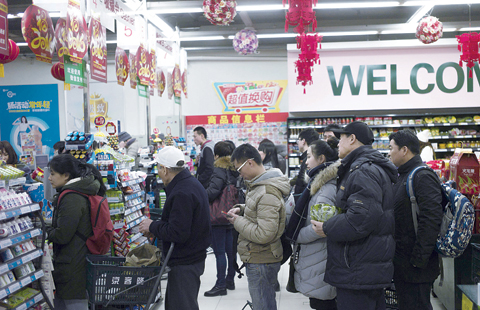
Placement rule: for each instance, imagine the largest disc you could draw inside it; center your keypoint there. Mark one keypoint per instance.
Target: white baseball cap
(170, 157)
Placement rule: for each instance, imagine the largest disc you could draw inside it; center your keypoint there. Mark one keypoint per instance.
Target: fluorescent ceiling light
(176, 10)
(266, 7)
(210, 38)
(356, 5)
(22, 44)
(348, 33)
(468, 29)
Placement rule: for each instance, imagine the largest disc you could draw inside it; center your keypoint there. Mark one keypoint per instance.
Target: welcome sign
(385, 79)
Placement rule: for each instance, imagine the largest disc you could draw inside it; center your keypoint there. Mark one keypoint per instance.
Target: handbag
(291, 279)
(227, 199)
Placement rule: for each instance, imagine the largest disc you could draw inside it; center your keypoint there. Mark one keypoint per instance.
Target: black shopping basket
(111, 283)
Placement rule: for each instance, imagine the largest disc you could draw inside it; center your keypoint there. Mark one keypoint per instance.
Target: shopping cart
(109, 282)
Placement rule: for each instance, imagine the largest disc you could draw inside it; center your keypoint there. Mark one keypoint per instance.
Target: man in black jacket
(205, 159)
(305, 138)
(360, 240)
(416, 261)
(186, 222)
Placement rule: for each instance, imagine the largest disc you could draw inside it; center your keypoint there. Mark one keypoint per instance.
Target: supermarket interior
(115, 82)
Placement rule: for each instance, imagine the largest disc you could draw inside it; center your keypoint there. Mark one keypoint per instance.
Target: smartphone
(227, 215)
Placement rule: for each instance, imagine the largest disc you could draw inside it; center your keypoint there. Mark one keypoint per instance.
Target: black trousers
(360, 299)
(183, 285)
(413, 296)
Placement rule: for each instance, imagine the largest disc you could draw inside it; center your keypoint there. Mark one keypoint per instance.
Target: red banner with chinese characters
(121, 66)
(98, 50)
(143, 65)
(61, 36)
(236, 118)
(37, 30)
(4, 28)
(76, 32)
(133, 70)
(153, 73)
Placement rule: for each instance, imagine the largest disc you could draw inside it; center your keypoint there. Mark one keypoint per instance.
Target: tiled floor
(236, 300)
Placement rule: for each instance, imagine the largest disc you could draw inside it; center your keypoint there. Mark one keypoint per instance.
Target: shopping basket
(111, 283)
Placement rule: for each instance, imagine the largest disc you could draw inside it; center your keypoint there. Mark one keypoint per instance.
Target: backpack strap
(70, 191)
(411, 195)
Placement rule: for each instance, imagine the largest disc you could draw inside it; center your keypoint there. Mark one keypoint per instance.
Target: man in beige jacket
(260, 222)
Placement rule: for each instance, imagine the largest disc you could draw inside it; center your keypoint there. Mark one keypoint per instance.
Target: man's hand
(318, 228)
(232, 214)
(145, 227)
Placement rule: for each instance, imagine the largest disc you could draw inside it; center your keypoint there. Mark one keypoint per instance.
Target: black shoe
(230, 286)
(216, 291)
(277, 287)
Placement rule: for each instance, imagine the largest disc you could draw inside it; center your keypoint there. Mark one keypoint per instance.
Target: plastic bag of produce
(322, 212)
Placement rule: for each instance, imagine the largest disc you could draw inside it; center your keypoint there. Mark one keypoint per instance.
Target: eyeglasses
(240, 168)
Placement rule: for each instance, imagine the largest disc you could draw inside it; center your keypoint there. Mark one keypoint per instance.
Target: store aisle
(236, 300)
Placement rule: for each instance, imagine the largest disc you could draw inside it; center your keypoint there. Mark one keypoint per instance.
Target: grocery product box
(464, 170)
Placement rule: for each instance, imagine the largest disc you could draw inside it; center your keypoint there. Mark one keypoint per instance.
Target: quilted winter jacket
(360, 240)
(312, 261)
(263, 218)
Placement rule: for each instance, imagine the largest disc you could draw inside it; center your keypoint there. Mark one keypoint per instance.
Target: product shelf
(454, 137)
(29, 303)
(116, 211)
(294, 166)
(25, 258)
(294, 155)
(450, 124)
(108, 186)
(113, 199)
(475, 149)
(135, 237)
(135, 208)
(133, 196)
(76, 147)
(11, 288)
(136, 222)
(10, 213)
(131, 182)
(12, 182)
(19, 238)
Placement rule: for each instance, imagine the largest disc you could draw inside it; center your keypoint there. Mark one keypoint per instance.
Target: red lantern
(14, 50)
(468, 45)
(58, 71)
(308, 45)
(300, 14)
(304, 70)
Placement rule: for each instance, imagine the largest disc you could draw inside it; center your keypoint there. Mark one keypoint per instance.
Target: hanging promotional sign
(98, 50)
(163, 43)
(183, 69)
(4, 28)
(30, 118)
(76, 32)
(142, 89)
(75, 73)
(170, 85)
(61, 38)
(118, 9)
(127, 37)
(133, 70)
(121, 66)
(143, 65)
(250, 97)
(37, 30)
(177, 81)
(153, 73)
(160, 81)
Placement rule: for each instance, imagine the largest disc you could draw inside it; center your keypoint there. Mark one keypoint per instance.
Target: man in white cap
(186, 222)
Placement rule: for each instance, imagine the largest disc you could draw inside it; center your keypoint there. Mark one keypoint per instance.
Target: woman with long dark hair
(70, 225)
(7, 153)
(270, 158)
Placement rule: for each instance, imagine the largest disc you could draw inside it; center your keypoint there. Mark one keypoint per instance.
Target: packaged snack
(6, 255)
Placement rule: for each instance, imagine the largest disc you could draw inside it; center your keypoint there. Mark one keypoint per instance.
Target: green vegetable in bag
(322, 212)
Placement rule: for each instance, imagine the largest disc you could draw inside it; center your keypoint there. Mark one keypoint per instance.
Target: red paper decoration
(61, 38)
(300, 14)
(58, 71)
(122, 66)
(468, 45)
(13, 49)
(37, 30)
(308, 45)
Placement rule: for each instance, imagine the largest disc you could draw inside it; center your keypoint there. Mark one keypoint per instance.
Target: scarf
(299, 214)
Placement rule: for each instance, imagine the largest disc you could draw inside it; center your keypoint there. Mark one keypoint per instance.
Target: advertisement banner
(160, 81)
(61, 38)
(133, 70)
(250, 97)
(143, 65)
(122, 67)
(30, 121)
(37, 30)
(177, 81)
(153, 73)
(98, 50)
(76, 32)
(163, 43)
(118, 9)
(4, 28)
(75, 73)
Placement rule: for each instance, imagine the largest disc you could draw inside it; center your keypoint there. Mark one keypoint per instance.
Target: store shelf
(454, 137)
(9, 289)
(108, 186)
(135, 208)
(29, 303)
(4, 243)
(25, 258)
(113, 199)
(9, 213)
(294, 155)
(475, 149)
(76, 147)
(116, 211)
(135, 237)
(451, 124)
(131, 182)
(136, 222)
(118, 225)
(133, 196)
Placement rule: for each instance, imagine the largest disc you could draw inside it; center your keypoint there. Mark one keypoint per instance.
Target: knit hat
(170, 157)
(124, 136)
(362, 132)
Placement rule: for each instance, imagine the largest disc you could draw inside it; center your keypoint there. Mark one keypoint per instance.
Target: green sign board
(142, 89)
(75, 73)
(178, 100)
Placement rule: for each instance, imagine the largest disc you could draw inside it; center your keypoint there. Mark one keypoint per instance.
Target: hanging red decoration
(308, 45)
(304, 70)
(58, 71)
(220, 12)
(468, 45)
(13, 49)
(300, 14)
(37, 30)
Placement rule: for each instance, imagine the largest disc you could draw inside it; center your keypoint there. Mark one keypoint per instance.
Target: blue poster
(29, 118)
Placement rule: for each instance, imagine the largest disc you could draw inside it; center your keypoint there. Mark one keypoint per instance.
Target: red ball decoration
(300, 14)
(14, 50)
(468, 45)
(220, 12)
(58, 71)
(429, 30)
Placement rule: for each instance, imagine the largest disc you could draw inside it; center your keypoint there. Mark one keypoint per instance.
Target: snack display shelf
(11, 288)
(136, 222)
(131, 182)
(108, 186)
(9, 213)
(76, 147)
(475, 149)
(390, 126)
(454, 137)
(8, 241)
(20, 260)
(135, 237)
(135, 208)
(116, 211)
(30, 302)
(133, 196)
(12, 182)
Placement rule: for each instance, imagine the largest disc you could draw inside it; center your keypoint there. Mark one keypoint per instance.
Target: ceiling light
(266, 7)
(468, 29)
(356, 5)
(210, 38)
(22, 44)
(348, 33)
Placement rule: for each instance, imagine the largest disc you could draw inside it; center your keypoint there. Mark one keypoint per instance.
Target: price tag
(446, 124)
(14, 287)
(25, 210)
(469, 136)
(25, 281)
(3, 268)
(5, 243)
(23, 306)
(430, 125)
(3, 216)
(445, 137)
(463, 124)
(2, 183)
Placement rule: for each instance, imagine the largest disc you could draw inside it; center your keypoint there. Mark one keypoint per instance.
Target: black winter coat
(185, 220)
(301, 183)
(410, 249)
(360, 240)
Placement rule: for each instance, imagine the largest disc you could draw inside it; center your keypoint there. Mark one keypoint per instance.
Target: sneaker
(216, 291)
(230, 286)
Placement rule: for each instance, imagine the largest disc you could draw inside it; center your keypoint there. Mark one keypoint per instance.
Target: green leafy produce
(322, 212)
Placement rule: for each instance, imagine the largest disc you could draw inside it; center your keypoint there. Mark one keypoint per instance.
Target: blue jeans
(261, 285)
(222, 243)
